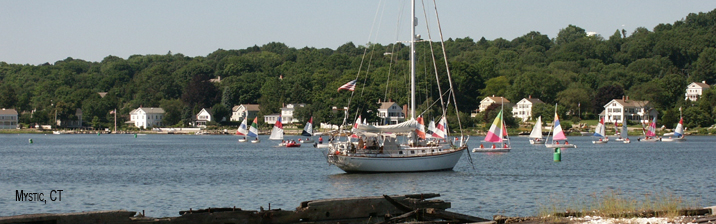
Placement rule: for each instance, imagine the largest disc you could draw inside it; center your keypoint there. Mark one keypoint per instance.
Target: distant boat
(678, 135)
(56, 132)
(307, 131)
(277, 133)
(600, 133)
(625, 134)
(650, 133)
(620, 134)
(536, 137)
(558, 134)
(242, 130)
(254, 131)
(496, 135)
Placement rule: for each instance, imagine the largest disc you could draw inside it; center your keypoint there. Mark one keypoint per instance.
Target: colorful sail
(679, 131)
(254, 129)
(277, 131)
(243, 128)
(600, 130)
(651, 131)
(440, 130)
(308, 130)
(496, 130)
(558, 133)
(420, 131)
(431, 129)
(355, 128)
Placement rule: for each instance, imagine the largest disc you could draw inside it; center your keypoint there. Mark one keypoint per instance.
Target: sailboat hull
(537, 141)
(424, 163)
(673, 139)
(560, 146)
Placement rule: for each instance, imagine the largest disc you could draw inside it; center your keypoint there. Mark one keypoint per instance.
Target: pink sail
(558, 133)
(651, 131)
(496, 130)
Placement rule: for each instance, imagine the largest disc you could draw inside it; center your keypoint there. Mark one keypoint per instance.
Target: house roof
(387, 105)
(151, 110)
(702, 85)
(629, 103)
(249, 107)
(497, 99)
(4, 111)
(533, 100)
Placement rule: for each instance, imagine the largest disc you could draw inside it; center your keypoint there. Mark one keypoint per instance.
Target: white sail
(624, 131)
(243, 128)
(277, 131)
(406, 126)
(537, 129)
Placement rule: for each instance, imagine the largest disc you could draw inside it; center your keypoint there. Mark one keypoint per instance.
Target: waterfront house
(202, 118)
(238, 112)
(271, 119)
(523, 109)
(288, 111)
(8, 119)
(144, 117)
(71, 123)
(487, 101)
(625, 109)
(695, 90)
(390, 113)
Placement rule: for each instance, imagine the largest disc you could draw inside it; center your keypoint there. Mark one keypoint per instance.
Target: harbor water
(163, 174)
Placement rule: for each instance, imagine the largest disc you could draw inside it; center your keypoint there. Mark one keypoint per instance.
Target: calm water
(164, 174)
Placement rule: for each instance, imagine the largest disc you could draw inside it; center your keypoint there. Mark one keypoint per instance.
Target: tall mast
(414, 22)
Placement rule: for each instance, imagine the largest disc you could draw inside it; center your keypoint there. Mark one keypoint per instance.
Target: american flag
(349, 86)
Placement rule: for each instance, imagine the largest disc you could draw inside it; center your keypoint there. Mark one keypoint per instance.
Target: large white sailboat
(379, 148)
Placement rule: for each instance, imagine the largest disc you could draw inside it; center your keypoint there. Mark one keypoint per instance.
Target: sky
(39, 31)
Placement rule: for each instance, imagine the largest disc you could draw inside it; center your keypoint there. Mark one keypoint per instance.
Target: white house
(8, 119)
(144, 117)
(202, 118)
(238, 112)
(695, 90)
(272, 118)
(287, 113)
(391, 113)
(487, 101)
(625, 109)
(523, 109)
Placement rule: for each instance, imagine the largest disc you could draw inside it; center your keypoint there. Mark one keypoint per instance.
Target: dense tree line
(571, 69)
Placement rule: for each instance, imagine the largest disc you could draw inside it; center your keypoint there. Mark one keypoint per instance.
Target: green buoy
(557, 155)
(135, 135)
(30, 140)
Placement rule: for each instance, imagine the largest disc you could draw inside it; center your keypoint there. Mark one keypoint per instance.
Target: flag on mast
(348, 86)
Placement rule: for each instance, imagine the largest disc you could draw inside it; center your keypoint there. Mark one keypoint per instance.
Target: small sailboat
(617, 131)
(496, 135)
(678, 135)
(600, 132)
(650, 133)
(277, 132)
(308, 131)
(558, 134)
(254, 131)
(243, 130)
(624, 134)
(536, 134)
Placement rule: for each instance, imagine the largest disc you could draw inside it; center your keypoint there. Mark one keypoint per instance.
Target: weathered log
(453, 216)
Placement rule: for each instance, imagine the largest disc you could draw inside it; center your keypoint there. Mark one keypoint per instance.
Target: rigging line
(372, 47)
(360, 67)
(447, 67)
(392, 53)
(452, 91)
(435, 66)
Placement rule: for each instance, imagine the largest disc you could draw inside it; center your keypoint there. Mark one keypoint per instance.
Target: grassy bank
(615, 204)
